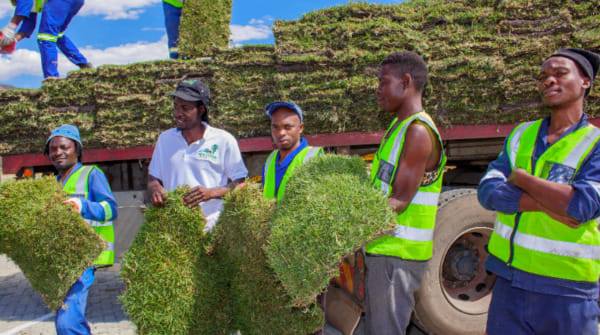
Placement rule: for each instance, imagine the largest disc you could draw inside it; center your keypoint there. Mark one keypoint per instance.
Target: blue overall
(56, 16)
(172, 20)
(70, 319)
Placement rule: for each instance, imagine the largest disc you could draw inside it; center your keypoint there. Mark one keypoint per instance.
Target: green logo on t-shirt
(209, 153)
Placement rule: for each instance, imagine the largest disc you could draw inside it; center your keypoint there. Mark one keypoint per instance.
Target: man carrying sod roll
(292, 149)
(205, 158)
(91, 197)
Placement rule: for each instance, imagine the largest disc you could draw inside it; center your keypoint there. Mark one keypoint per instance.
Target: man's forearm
(548, 194)
(528, 204)
(220, 192)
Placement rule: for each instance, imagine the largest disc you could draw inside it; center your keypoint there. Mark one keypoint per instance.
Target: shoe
(86, 66)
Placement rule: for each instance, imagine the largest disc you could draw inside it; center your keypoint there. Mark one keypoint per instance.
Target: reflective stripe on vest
(175, 3)
(269, 188)
(78, 186)
(534, 242)
(413, 235)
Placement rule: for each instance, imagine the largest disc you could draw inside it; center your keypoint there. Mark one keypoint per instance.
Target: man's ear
(587, 83)
(407, 80)
(301, 128)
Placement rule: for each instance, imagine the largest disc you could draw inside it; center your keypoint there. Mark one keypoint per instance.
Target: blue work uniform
(56, 17)
(23, 9)
(524, 303)
(70, 319)
(281, 167)
(172, 21)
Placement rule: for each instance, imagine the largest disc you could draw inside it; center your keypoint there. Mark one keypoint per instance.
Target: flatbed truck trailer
(456, 290)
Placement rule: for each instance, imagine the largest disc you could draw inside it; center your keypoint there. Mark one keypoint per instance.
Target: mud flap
(343, 301)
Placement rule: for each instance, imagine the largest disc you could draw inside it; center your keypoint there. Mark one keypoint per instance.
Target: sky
(129, 31)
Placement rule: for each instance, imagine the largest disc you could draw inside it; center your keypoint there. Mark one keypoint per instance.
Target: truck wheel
(456, 290)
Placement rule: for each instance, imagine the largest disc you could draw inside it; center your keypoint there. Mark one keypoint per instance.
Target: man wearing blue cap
(545, 189)
(292, 150)
(194, 154)
(90, 196)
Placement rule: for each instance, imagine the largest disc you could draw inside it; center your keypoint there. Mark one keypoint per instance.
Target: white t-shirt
(209, 162)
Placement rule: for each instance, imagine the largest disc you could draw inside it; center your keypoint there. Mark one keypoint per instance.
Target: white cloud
(27, 62)
(257, 29)
(5, 8)
(21, 62)
(117, 9)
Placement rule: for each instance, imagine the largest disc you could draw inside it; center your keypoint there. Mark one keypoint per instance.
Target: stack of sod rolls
(483, 58)
(49, 242)
(160, 269)
(329, 211)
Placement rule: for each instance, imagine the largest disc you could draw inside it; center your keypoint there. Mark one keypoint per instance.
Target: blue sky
(127, 31)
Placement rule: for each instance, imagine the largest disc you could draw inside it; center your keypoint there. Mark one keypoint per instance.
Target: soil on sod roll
(483, 58)
(329, 211)
(160, 269)
(49, 242)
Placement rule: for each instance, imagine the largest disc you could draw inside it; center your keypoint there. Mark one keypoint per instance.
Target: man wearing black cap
(545, 188)
(292, 150)
(195, 154)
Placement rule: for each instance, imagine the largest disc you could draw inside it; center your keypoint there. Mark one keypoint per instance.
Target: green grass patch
(49, 242)
(260, 304)
(329, 210)
(160, 269)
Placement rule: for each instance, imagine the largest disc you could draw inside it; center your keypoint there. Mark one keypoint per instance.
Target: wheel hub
(463, 277)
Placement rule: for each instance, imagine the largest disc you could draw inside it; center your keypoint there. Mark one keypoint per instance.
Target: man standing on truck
(195, 154)
(91, 197)
(545, 188)
(172, 10)
(408, 168)
(292, 149)
(56, 17)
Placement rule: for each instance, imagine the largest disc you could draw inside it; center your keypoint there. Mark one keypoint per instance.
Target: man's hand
(8, 34)
(197, 195)
(75, 204)
(397, 205)
(158, 195)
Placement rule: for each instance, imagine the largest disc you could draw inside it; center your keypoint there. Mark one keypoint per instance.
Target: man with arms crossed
(545, 188)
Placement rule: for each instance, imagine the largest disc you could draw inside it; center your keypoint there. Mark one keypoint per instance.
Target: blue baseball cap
(272, 107)
(66, 130)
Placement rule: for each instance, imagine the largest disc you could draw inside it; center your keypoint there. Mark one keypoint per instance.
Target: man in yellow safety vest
(545, 188)
(91, 196)
(408, 168)
(292, 150)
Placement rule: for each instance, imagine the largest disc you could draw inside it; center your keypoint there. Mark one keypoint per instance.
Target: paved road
(22, 311)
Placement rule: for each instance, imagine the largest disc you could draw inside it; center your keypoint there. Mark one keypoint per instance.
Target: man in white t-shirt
(195, 154)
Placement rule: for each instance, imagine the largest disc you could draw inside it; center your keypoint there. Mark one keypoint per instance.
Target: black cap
(588, 62)
(193, 90)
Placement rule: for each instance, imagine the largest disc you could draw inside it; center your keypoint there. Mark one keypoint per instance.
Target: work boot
(86, 66)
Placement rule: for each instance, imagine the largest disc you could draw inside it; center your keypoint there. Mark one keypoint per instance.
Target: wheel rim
(466, 284)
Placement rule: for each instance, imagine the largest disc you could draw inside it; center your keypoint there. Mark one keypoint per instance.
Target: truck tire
(456, 290)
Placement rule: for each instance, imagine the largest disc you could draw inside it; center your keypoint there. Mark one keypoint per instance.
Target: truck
(483, 57)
